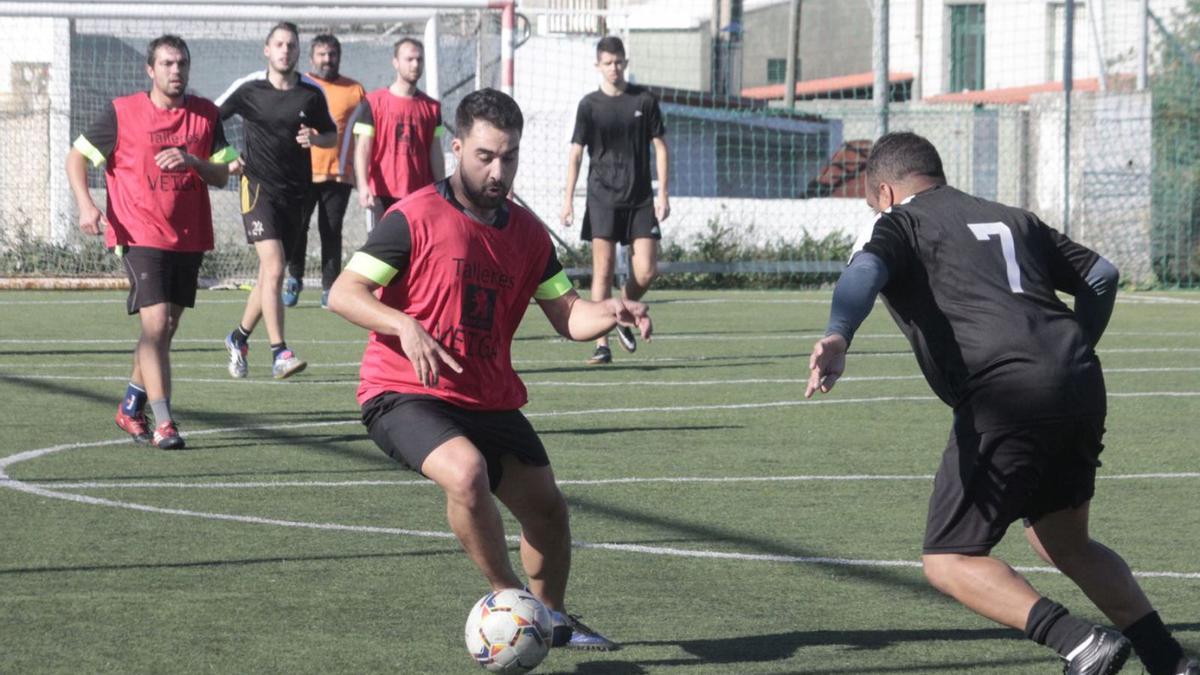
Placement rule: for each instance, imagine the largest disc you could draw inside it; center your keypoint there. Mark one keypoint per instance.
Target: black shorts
(619, 224)
(266, 216)
(989, 480)
(157, 276)
(382, 204)
(409, 426)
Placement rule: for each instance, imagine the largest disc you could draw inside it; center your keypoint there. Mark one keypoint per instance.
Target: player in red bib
(398, 132)
(160, 149)
(442, 284)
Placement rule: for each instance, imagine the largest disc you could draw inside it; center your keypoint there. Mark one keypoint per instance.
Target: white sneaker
(237, 357)
(287, 364)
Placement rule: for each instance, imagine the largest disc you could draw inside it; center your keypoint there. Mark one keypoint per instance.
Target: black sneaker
(601, 357)
(627, 338)
(569, 631)
(1102, 652)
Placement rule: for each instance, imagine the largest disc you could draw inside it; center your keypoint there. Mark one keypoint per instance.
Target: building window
(1081, 47)
(966, 47)
(777, 70)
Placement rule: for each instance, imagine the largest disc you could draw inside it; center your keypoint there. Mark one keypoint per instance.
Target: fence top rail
(196, 12)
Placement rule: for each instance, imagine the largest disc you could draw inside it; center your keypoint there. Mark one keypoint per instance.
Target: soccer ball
(508, 631)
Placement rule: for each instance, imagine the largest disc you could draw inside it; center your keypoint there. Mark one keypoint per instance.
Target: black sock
(240, 335)
(1050, 624)
(278, 349)
(1152, 642)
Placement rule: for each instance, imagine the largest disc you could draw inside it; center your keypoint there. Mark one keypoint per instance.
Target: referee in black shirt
(617, 124)
(972, 285)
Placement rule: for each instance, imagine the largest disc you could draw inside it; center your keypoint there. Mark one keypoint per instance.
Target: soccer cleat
(237, 357)
(627, 338)
(1102, 652)
(134, 425)
(290, 294)
(325, 299)
(287, 364)
(167, 437)
(1192, 667)
(602, 356)
(569, 631)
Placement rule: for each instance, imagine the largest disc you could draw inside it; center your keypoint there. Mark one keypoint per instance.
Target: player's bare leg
(460, 470)
(986, 585)
(1061, 539)
(531, 494)
(151, 357)
(264, 301)
(603, 262)
(643, 268)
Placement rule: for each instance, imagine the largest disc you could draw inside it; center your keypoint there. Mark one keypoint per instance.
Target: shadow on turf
(245, 423)
(226, 563)
(887, 577)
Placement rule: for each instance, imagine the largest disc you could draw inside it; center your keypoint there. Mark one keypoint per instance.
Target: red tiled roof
(1011, 94)
(825, 85)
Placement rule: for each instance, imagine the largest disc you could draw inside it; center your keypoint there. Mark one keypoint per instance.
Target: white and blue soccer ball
(509, 631)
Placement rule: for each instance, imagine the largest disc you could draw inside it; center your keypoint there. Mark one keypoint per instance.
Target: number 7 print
(984, 232)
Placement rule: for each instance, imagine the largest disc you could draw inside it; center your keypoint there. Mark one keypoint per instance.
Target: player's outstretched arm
(853, 298)
(582, 320)
(352, 297)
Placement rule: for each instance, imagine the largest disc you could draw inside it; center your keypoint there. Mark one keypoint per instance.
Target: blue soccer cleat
(291, 291)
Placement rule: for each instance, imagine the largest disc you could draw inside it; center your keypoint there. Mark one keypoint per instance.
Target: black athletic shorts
(382, 204)
(989, 480)
(266, 216)
(619, 224)
(157, 276)
(410, 426)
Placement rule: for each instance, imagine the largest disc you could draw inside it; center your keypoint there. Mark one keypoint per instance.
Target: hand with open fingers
(92, 220)
(173, 159)
(826, 364)
(428, 357)
(632, 313)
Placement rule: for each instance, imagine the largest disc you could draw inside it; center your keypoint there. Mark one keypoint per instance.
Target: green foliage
(724, 242)
(24, 255)
(1175, 234)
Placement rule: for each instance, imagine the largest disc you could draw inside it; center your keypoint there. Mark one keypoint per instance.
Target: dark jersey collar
(499, 220)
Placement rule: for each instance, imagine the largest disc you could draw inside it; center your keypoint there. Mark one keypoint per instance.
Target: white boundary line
(21, 486)
(258, 485)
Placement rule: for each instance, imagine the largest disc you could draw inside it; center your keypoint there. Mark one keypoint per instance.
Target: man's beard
(479, 197)
(327, 73)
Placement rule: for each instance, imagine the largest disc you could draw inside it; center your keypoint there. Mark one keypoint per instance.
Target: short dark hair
(901, 154)
(490, 105)
(325, 40)
(406, 41)
(283, 25)
(610, 45)
(167, 40)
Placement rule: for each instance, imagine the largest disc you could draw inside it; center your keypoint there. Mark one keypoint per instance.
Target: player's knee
(467, 484)
(646, 275)
(940, 570)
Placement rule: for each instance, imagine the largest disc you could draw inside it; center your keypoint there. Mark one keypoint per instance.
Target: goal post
(64, 61)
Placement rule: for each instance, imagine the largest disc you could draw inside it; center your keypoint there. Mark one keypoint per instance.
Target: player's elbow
(340, 295)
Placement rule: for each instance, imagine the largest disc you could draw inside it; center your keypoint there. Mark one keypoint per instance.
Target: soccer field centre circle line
(21, 486)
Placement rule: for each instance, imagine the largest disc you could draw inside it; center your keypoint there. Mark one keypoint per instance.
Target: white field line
(1130, 298)
(667, 480)
(20, 486)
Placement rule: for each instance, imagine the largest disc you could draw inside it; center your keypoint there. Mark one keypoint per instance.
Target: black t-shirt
(971, 283)
(272, 118)
(617, 131)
